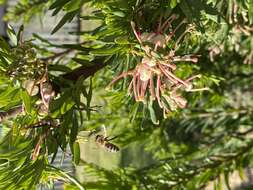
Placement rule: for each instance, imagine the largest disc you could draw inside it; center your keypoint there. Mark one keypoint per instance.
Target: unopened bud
(30, 87)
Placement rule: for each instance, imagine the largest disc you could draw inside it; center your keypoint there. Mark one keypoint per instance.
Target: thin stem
(174, 31)
(190, 58)
(171, 66)
(151, 87)
(180, 37)
(85, 71)
(167, 23)
(171, 77)
(158, 85)
(122, 75)
(138, 87)
(57, 55)
(134, 87)
(135, 33)
(130, 87)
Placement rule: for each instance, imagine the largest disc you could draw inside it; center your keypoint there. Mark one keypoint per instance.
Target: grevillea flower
(154, 75)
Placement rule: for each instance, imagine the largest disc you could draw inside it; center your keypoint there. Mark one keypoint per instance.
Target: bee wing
(84, 136)
(99, 130)
(110, 139)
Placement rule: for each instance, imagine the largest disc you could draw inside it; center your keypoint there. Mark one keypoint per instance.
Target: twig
(37, 148)
(56, 55)
(85, 71)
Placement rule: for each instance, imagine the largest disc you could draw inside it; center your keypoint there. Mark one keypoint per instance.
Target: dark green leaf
(74, 129)
(20, 34)
(41, 39)
(83, 62)
(73, 5)
(58, 3)
(68, 17)
(186, 9)
(89, 96)
(4, 45)
(76, 153)
(62, 68)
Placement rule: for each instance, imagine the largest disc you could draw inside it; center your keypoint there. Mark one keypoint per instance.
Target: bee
(103, 141)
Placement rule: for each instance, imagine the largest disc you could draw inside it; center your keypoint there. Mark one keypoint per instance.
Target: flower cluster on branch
(154, 76)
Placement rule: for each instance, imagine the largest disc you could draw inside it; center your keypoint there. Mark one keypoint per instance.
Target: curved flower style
(154, 66)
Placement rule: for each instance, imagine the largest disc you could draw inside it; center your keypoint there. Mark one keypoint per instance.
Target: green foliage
(20, 10)
(204, 141)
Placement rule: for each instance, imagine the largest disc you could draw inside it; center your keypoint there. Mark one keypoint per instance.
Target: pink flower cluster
(153, 77)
